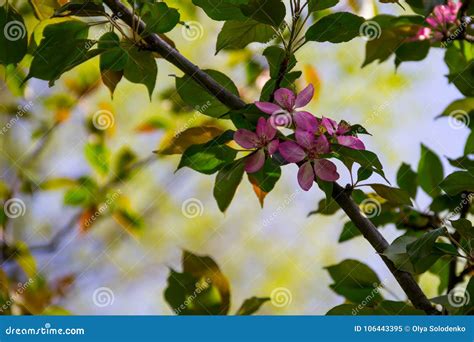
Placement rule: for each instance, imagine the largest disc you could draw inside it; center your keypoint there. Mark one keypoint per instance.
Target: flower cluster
(440, 22)
(309, 146)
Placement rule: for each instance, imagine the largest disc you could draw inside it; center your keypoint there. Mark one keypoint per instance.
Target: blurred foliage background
(258, 249)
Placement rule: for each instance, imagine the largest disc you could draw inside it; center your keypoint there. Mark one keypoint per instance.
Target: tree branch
(158, 44)
(370, 232)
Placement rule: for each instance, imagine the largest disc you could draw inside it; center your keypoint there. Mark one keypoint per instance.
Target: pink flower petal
(305, 139)
(285, 98)
(261, 123)
(272, 147)
(246, 138)
(304, 97)
(423, 34)
(291, 152)
(305, 121)
(321, 145)
(255, 161)
(306, 176)
(351, 141)
(330, 125)
(326, 170)
(343, 128)
(265, 129)
(267, 107)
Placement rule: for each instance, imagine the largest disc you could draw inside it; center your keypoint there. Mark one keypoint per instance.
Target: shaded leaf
(251, 305)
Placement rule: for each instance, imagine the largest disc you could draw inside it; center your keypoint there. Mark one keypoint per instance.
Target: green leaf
(141, 68)
(318, 5)
(115, 57)
(124, 161)
(275, 56)
(195, 95)
(349, 231)
(112, 61)
(63, 47)
(412, 51)
(267, 176)
(326, 207)
(355, 281)
(159, 18)
(227, 181)
(236, 35)
(469, 147)
(458, 182)
(464, 228)
(83, 194)
(210, 157)
(363, 173)
(264, 180)
(407, 180)
(364, 158)
(393, 195)
(81, 8)
(13, 37)
(251, 305)
(392, 32)
(461, 70)
(415, 255)
(271, 12)
(335, 28)
(430, 172)
(44, 9)
(201, 289)
(222, 9)
(461, 110)
(130, 220)
(98, 157)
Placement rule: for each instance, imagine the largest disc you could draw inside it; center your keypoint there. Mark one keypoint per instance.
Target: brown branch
(158, 44)
(370, 232)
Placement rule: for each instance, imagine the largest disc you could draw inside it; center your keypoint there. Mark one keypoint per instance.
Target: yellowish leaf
(179, 142)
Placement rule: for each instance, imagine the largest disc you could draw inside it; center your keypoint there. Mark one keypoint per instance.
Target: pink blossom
(309, 149)
(440, 21)
(287, 104)
(262, 140)
(339, 130)
(444, 15)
